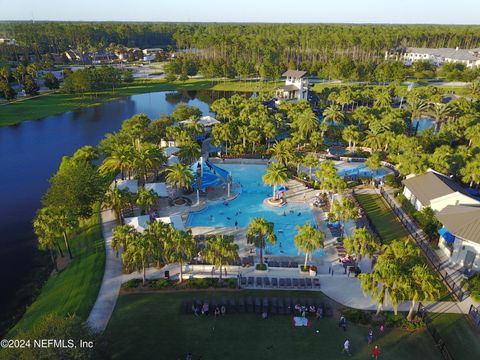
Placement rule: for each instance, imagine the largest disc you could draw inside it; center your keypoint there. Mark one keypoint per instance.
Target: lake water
(30, 153)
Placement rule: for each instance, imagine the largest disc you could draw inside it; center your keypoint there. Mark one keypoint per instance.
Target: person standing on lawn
(376, 352)
(346, 348)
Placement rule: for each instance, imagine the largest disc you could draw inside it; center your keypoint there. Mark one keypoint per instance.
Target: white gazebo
(174, 220)
(130, 185)
(159, 188)
(138, 222)
(170, 150)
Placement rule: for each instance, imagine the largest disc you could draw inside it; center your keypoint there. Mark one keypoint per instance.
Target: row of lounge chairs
(285, 283)
(281, 306)
(283, 264)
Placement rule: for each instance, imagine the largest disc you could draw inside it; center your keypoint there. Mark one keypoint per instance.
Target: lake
(30, 153)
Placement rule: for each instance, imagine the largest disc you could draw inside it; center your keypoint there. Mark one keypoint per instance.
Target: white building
(437, 57)
(8, 41)
(460, 235)
(436, 191)
(296, 86)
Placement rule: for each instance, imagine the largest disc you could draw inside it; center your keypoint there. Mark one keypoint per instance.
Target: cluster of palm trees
(161, 243)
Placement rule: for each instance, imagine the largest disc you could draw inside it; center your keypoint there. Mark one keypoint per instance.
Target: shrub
(261, 267)
(392, 181)
(161, 284)
(357, 316)
(132, 284)
(473, 286)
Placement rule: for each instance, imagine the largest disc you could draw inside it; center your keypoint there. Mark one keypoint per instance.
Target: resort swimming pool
(423, 124)
(249, 204)
(360, 170)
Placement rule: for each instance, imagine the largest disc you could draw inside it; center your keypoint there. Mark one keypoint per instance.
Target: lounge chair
(274, 282)
(301, 283)
(266, 281)
(250, 307)
(308, 282)
(295, 282)
(293, 264)
(284, 264)
(258, 306)
(281, 306)
(282, 282)
(259, 282)
(250, 281)
(288, 282)
(316, 283)
(231, 305)
(288, 306)
(241, 305)
(243, 281)
(265, 307)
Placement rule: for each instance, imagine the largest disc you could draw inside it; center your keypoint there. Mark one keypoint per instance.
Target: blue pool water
(423, 124)
(249, 204)
(360, 170)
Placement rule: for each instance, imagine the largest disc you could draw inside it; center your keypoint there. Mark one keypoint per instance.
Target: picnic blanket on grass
(300, 321)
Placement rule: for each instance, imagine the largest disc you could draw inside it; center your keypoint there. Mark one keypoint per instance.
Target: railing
(439, 342)
(422, 241)
(474, 315)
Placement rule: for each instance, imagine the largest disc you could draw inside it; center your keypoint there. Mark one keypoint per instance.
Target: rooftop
(431, 185)
(450, 53)
(462, 221)
(294, 73)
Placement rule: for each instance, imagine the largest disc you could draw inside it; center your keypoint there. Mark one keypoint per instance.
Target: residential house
(151, 53)
(436, 191)
(296, 86)
(469, 58)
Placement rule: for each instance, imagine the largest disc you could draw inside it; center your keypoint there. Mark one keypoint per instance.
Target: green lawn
(461, 338)
(146, 326)
(57, 103)
(75, 289)
(382, 217)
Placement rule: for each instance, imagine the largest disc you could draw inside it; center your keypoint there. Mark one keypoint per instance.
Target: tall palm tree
(383, 100)
(189, 153)
(148, 158)
(440, 112)
(259, 232)
(185, 248)
(146, 199)
(120, 160)
(276, 174)
(121, 235)
(161, 235)
(334, 113)
(472, 133)
(343, 211)
(308, 239)
(361, 243)
(421, 284)
(138, 253)
(118, 200)
(220, 251)
(306, 122)
(282, 152)
(471, 172)
(374, 162)
(351, 135)
(417, 107)
(310, 160)
(222, 133)
(179, 176)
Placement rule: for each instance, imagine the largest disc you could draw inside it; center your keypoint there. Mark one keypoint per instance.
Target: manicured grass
(382, 217)
(75, 289)
(461, 338)
(146, 326)
(57, 103)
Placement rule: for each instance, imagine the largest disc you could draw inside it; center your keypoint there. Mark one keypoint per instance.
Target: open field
(154, 327)
(382, 217)
(75, 289)
(57, 103)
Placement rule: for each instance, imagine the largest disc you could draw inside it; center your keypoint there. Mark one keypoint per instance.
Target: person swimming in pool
(299, 214)
(284, 213)
(228, 218)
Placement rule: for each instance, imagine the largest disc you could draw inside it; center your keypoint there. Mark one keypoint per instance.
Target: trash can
(167, 275)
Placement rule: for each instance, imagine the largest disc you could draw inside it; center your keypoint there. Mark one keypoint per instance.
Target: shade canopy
(170, 150)
(174, 220)
(130, 185)
(173, 159)
(159, 188)
(449, 238)
(138, 222)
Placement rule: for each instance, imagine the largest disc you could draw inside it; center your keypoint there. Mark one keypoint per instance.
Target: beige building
(296, 86)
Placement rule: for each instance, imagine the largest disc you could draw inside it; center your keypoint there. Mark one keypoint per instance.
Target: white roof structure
(174, 220)
(159, 188)
(131, 185)
(205, 121)
(172, 160)
(138, 222)
(170, 150)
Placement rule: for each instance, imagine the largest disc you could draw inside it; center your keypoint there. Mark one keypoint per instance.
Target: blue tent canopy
(449, 238)
(282, 188)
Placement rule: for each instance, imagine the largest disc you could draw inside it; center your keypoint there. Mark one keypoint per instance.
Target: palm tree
(259, 232)
(189, 153)
(334, 113)
(117, 199)
(148, 157)
(179, 176)
(374, 162)
(146, 199)
(421, 284)
(351, 135)
(440, 112)
(383, 100)
(343, 211)
(276, 174)
(417, 108)
(306, 122)
(310, 160)
(120, 160)
(185, 248)
(222, 132)
(138, 253)
(219, 251)
(308, 239)
(121, 235)
(161, 235)
(471, 172)
(361, 243)
(282, 152)
(472, 133)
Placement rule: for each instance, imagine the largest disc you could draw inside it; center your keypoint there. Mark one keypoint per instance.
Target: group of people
(346, 345)
(205, 310)
(309, 310)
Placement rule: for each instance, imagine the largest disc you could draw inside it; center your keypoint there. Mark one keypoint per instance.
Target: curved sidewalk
(112, 278)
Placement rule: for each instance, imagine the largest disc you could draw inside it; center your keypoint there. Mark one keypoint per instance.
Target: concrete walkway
(112, 279)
